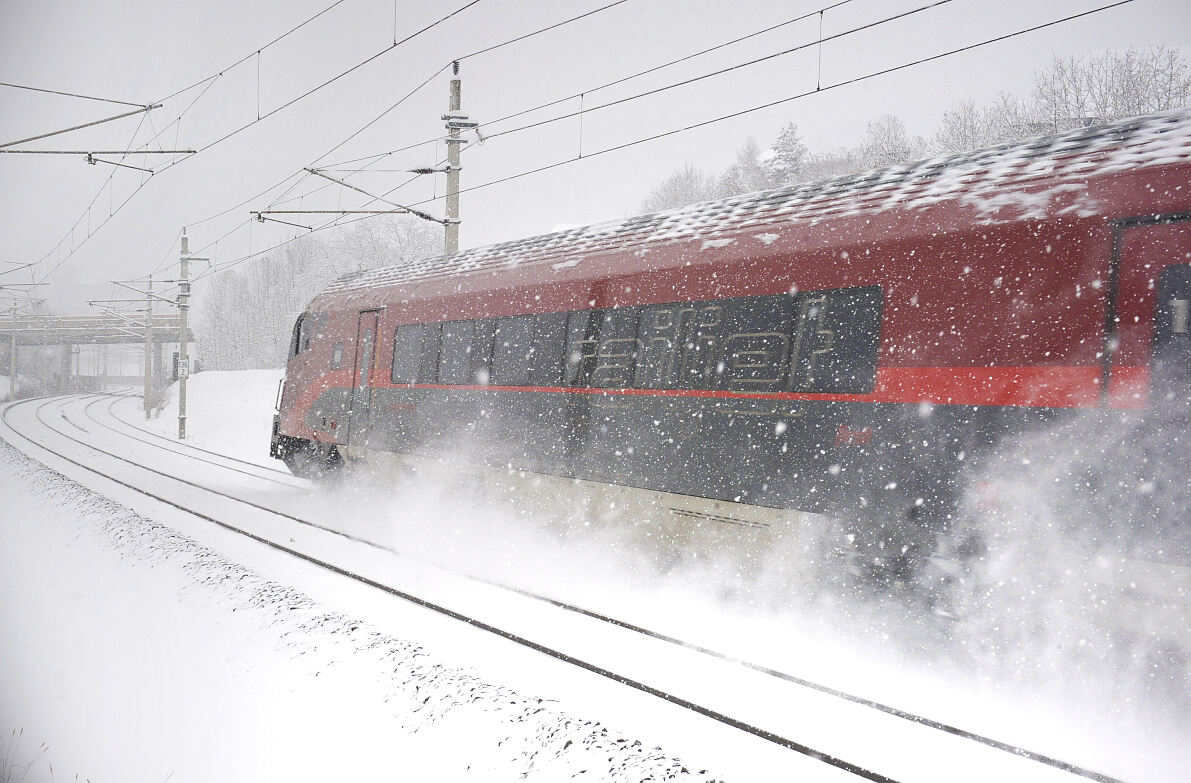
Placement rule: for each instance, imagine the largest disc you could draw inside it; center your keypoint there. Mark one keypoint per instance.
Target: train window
(483, 333)
(738, 344)
(431, 339)
(305, 329)
(836, 335)
(823, 342)
(295, 343)
(512, 347)
(407, 353)
(466, 351)
(454, 362)
(616, 355)
(310, 323)
(701, 339)
(581, 347)
(1172, 321)
(548, 353)
(680, 345)
(755, 350)
(602, 348)
(337, 356)
(660, 334)
(1172, 332)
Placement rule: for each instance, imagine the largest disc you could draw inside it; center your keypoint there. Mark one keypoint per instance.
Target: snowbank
(133, 653)
(226, 411)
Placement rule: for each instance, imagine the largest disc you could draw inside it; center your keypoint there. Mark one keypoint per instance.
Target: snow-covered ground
(280, 673)
(228, 412)
(132, 652)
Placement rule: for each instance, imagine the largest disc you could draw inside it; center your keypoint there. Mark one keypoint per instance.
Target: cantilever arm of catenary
(410, 210)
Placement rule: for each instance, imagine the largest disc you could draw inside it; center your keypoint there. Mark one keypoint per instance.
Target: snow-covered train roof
(986, 179)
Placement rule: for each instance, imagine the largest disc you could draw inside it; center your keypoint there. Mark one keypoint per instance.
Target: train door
(361, 403)
(1150, 346)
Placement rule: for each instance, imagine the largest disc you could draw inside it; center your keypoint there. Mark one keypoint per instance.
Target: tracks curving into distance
(275, 477)
(178, 447)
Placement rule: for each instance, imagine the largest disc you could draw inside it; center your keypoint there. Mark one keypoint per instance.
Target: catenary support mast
(456, 122)
(148, 349)
(183, 310)
(12, 355)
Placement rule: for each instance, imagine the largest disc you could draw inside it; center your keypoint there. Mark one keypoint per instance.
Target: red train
(849, 347)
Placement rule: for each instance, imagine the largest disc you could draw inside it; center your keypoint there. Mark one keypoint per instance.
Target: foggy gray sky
(143, 50)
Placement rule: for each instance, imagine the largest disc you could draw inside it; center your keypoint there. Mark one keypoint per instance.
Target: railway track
(237, 488)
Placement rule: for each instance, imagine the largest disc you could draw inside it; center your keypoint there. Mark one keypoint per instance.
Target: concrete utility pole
(64, 364)
(12, 354)
(148, 349)
(456, 121)
(183, 360)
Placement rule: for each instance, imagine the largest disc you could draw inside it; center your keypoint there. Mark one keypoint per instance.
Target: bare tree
(1069, 93)
(1075, 91)
(245, 315)
(685, 186)
(965, 126)
(838, 163)
(372, 243)
(746, 174)
(886, 143)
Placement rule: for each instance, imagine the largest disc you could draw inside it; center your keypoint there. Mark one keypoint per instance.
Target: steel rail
(600, 671)
(562, 605)
(291, 485)
(130, 425)
(777, 674)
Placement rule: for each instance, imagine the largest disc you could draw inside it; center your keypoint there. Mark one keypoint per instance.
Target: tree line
(245, 315)
(1069, 93)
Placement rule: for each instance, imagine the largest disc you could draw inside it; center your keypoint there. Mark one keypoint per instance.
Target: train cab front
(309, 449)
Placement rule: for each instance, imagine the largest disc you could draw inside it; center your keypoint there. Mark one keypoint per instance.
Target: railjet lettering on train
(852, 347)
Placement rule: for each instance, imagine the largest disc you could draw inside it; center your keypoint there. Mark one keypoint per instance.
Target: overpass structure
(71, 331)
(89, 329)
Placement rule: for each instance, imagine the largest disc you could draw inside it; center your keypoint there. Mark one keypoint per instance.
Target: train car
(850, 347)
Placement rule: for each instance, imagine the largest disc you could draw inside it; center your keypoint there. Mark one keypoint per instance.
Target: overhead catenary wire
(340, 75)
(211, 80)
(485, 50)
(613, 83)
(385, 113)
(69, 94)
(216, 269)
(818, 41)
(388, 110)
(476, 53)
(798, 96)
(554, 26)
(251, 54)
(401, 100)
(710, 74)
(109, 183)
(430, 78)
(276, 110)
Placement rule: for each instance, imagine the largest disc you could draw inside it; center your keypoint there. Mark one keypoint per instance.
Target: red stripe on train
(1031, 387)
